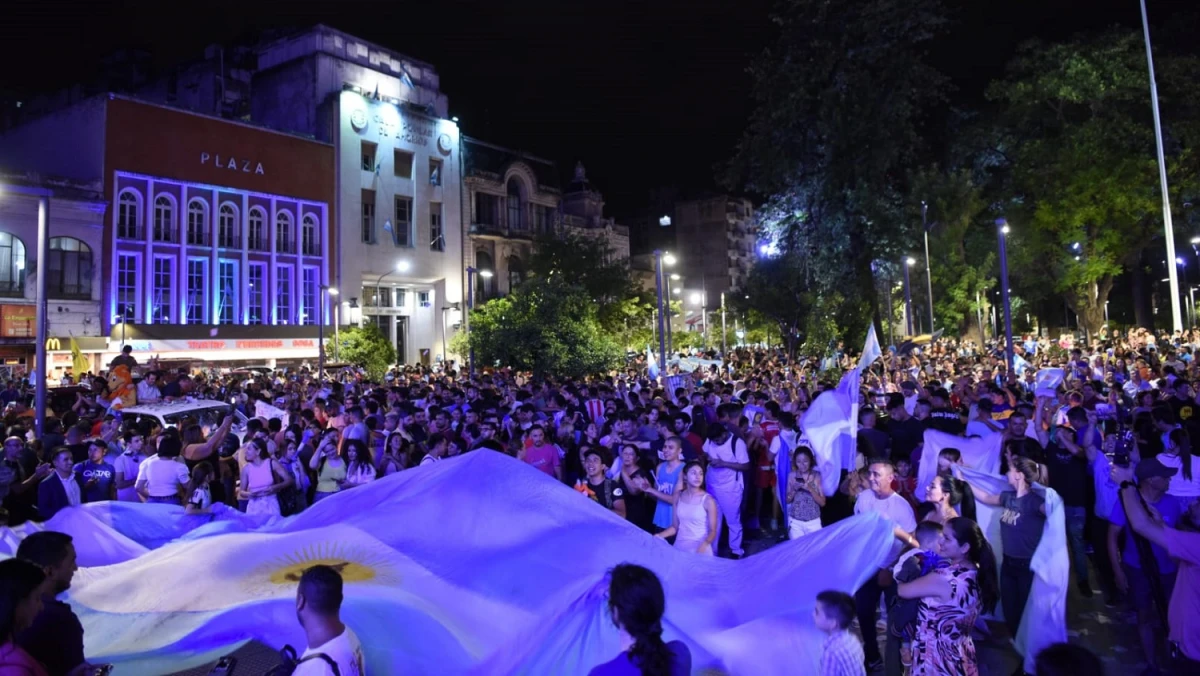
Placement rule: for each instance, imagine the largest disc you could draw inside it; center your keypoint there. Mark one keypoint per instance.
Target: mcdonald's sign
(53, 345)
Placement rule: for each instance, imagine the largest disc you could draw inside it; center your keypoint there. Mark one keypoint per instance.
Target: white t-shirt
(895, 509)
(1181, 486)
(163, 476)
(128, 465)
(733, 450)
(345, 650)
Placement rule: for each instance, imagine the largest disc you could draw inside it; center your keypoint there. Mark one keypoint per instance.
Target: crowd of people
(690, 458)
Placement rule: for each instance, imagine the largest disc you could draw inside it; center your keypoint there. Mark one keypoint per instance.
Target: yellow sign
(53, 344)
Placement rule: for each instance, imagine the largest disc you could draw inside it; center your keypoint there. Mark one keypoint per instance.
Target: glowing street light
(674, 276)
(668, 259)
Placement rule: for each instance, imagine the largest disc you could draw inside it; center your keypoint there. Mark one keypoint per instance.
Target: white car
(207, 412)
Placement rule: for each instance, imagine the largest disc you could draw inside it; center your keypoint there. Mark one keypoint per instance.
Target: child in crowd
(904, 482)
(902, 614)
(842, 652)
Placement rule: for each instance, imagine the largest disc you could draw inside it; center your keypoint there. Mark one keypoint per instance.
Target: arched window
(258, 230)
(309, 241)
(12, 265)
(283, 232)
(69, 270)
(197, 229)
(485, 284)
(164, 219)
(129, 207)
(516, 273)
(227, 229)
(516, 207)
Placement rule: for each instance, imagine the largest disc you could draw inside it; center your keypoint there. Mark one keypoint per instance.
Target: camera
(1124, 446)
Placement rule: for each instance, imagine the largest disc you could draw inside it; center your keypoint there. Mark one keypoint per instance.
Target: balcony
(229, 241)
(12, 289)
(197, 238)
(132, 232)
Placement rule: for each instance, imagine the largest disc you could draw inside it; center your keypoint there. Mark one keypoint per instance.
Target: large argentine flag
(475, 565)
(831, 425)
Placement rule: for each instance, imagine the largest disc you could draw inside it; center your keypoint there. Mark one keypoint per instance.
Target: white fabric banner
(831, 426)
(981, 453)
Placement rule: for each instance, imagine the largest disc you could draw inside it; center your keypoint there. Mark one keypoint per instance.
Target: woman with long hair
(947, 459)
(952, 597)
(359, 467)
(20, 603)
(393, 455)
(329, 466)
(946, 497)
(636, 604)
(695, 526)
(1177, 454)
(262, 479)
(804, 495)
(639, 506)
(1022, 522)
(197, 492)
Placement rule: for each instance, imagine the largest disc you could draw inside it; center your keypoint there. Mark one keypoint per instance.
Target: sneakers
(1085, 590)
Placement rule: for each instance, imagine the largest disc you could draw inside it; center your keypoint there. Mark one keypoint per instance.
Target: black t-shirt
(946, 420)
(639, 507)
(878, 442)
(1069, 475)
(906, 435)
(1021, 523)
(606, 492)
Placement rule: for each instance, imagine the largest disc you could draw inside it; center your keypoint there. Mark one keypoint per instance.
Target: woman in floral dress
(951, 599)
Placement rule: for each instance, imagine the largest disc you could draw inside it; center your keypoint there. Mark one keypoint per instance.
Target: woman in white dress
(695, 526)
(262, 479)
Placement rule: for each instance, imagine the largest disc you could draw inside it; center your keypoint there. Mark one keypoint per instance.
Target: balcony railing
(197, 238)
(129, 232)
(229, 241)
(12, 288)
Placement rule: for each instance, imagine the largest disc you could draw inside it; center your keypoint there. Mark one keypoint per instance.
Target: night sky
(649, 95)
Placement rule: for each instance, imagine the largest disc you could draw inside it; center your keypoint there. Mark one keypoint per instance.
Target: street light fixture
(664, 221)
(485, 274)
(675, 276)
(908, 318)
(1003, 230)
(659, 259)
(668, 259)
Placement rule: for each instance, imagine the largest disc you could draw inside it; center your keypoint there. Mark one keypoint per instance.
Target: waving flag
(508, 579)
(1044, 621)
(651, 364)
(1046, 382)
(871, 350)
(831, 425)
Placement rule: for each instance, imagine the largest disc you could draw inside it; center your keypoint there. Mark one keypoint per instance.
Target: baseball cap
(1150, 468)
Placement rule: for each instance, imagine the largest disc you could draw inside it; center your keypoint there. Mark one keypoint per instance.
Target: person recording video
(1180, 543)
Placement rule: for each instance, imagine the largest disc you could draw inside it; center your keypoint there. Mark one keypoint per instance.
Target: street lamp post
(662, 336)
(723, 347)
(1002, 233)
(908, 318)
(43, 316)
(1172, 274)
(326, 293)
(928, 273)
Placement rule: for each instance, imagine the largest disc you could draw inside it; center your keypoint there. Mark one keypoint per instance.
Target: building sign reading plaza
(232, 163)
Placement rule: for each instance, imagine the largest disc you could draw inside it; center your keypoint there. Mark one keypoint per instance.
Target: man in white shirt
(318, 608)
(127, 464)
(882, 500)
(147, 389)
(727, 460)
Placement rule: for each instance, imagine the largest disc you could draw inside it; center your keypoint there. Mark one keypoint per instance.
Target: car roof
(165, 408)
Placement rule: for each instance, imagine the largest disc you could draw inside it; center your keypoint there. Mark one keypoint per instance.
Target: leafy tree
(589, 264)
(1078, 145)
(368, 348)
(547, 325)
(962, 246)
(840, 100)
(778, 289)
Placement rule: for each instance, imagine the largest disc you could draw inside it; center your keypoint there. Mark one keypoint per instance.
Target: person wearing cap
(1183, 544)
(1129, 569)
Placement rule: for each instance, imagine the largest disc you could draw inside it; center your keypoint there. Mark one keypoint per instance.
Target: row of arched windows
(197, 230)
(68, 268)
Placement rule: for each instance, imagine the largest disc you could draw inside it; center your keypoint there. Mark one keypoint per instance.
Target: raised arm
(980, 494)
(201, 451)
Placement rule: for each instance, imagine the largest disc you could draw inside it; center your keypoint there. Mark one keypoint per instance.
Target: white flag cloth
(506, 578)
(269, 412)
(871, 350)
(980, 453)
(1044, 621)
(831, 426)
(1046, 382)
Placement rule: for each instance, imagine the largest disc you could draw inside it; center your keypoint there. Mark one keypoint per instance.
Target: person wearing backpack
(333, 649)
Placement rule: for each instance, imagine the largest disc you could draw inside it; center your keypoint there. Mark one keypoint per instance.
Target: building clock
(358, 119)
(444, 144)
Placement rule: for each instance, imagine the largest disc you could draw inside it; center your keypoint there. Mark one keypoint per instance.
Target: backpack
(288, 662)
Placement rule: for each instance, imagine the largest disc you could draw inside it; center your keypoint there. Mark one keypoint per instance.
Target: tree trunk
(1142, 316)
